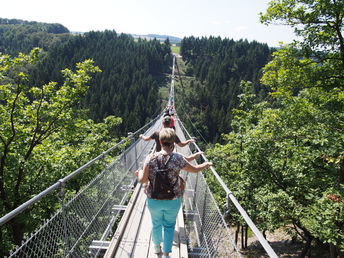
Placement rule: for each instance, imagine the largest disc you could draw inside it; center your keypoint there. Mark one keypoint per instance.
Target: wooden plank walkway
(133, 235)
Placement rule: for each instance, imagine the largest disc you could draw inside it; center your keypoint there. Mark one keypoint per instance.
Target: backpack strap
(165, 164)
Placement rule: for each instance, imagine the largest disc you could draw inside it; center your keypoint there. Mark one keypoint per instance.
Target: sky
(237, 19)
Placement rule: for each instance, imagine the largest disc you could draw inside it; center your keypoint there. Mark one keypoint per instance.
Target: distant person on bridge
(167, 111)
(164, 188)
(155, 136)
(168, 122)
(171, 110)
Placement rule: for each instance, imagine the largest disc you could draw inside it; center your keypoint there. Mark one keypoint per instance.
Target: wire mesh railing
(90, 214)
(208, 233)
(206, 229)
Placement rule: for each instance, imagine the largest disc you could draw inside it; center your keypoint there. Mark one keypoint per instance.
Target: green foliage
(132, 73)
(284, 160)
(21, 36)
(219, 65)
(280, 161)
(325, 218)
(43, 137)
(175, 49)
(46, 27)
(318, 22)
(290, 71)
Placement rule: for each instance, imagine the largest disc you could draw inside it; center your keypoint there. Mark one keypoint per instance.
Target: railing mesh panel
(206, 229)
(89, 215)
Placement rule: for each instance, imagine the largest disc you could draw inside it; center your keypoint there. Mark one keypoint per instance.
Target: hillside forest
(270, 119)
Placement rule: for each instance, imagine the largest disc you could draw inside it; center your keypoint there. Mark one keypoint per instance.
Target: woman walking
(164, 189)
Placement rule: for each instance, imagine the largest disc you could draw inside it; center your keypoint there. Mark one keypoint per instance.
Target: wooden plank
(179, 240)
(136, 240)
(183, 247)
(120, 229)
(141, 248)
(129, 238)
(175, 244)
(151, 253)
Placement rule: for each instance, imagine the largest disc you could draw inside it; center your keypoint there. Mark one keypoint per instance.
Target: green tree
(43, 137)
(284, 162)
(318, 22)
(220, 65)
(286, 156)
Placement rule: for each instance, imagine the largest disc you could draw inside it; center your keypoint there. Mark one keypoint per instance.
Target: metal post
(132, 137)
(125, 158)
(194, 193)
(203, 215)
(104, 160)
(228, 207)
(61, 197)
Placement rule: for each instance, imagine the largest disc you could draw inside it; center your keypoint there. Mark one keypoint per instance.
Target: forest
(271, 120)
(281, 146)
(131, 74)
(217, 67)
(21, 36)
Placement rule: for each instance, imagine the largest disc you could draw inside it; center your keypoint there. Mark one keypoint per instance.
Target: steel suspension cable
(193, 125)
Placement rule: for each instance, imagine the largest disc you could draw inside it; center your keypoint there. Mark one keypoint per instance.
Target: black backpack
(161, 186)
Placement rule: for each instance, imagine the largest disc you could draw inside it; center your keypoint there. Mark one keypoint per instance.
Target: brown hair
(167, 135)
(166, 121)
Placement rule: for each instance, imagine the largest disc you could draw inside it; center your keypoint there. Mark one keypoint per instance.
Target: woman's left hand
(136, 173)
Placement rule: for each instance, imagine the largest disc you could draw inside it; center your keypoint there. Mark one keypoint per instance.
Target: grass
(181, 65)
(164, 91)
(175, 49)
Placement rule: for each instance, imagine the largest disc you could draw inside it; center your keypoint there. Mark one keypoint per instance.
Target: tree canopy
(22, 36)
(284, 158)
(44, 136)
(318, 22)
(132, 72)
(218, 65)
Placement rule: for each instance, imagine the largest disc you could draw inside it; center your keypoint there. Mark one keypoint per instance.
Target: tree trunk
(18, 230)
(341, 172)
(333, 251)
(307, 247)
(246, 235)
(340, 37)
(242, 237)
(237, 233)
(2, 245)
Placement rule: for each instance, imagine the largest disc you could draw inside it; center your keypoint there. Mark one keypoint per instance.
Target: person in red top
(155, 136)
(168, 122)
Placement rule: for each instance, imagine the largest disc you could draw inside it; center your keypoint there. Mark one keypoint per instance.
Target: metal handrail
(230, 195)
(61, 182)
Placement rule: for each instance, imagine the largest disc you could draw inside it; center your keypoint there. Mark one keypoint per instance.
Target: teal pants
(164, 214)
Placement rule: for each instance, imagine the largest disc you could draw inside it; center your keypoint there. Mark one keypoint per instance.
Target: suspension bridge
(109, 217)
